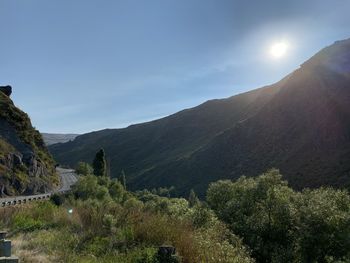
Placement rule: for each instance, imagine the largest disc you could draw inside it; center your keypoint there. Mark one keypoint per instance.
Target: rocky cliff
(26, 167)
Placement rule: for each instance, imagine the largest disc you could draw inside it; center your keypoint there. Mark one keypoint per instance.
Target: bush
(84, 169)
(281, 225)
(25, 223)
(57, 199)
(88, 187)
(323, 229)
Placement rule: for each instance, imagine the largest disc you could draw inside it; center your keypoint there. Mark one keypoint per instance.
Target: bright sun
(279, 49)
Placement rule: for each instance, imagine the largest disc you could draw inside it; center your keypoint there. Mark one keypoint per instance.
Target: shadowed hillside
(300, 125)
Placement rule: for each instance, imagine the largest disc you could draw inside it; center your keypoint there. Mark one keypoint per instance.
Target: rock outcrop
(7, 90)
(26, 167)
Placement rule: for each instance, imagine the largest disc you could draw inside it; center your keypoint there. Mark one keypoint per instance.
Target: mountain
(26, 166)
(300, 125)
(53, 138)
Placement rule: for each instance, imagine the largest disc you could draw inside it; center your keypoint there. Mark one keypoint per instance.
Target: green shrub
(146, 255)
(98, 246)
(25, 223)
(116, 190)
(323, 226)
(88, 187)
(84, 169)
(281, 225)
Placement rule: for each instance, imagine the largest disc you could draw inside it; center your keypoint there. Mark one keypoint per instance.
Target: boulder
(7, 90)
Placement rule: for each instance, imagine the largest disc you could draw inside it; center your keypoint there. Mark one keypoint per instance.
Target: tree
(281, 225)
(164, 191)
(122, 179)
(260, 211)
(99, 164)
(88, 187)
(84, 169)
(324, 225)
(193, 199)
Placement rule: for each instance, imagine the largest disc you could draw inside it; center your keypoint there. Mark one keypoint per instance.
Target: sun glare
(279, 50)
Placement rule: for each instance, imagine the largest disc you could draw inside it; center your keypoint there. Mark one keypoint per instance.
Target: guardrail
(18, 200)
(23, 199)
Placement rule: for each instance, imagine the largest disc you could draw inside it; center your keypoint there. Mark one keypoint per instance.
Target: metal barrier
(10, 201)
(17, 200)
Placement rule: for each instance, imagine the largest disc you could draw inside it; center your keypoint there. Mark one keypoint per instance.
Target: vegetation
(122, 179)
(5, 148)
(281, 225)
(109, 224)
(84, 169)
(193, 199)
(100, 164)
(250, 220)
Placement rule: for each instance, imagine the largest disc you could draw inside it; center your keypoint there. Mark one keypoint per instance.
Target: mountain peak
(335, 57)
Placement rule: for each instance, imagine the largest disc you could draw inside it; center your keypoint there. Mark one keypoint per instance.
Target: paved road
(68, 178)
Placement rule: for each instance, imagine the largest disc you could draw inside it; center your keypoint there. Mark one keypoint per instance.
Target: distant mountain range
(52, 138)
(300, 125)
(26, 167)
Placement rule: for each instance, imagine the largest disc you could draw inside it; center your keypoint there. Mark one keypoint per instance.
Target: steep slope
(300, 125)
(143, 148)
(304, 130)
(53, 138)
(26, 167)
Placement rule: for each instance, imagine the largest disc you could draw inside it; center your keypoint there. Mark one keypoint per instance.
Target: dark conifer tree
(99, 164)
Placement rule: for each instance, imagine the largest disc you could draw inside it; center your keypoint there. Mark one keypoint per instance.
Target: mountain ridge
(53, 138)
(291, 125)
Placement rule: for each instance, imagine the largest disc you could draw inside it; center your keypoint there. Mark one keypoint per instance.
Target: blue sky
(84, 65)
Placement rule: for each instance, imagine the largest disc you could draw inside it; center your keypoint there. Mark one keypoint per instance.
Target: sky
(84, 65)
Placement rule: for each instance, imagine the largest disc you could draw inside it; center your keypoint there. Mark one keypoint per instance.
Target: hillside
(53, 138)
(26, 167)
(300, 125)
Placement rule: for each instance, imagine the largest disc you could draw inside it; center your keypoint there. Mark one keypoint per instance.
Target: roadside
(68, 178)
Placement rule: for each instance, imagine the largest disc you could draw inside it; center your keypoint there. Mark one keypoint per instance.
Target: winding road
(68, 178)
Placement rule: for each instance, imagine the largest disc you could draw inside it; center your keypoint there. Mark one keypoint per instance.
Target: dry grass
(21, 248)
(7, 212)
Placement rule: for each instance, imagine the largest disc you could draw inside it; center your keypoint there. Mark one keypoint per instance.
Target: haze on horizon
(84, 65)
